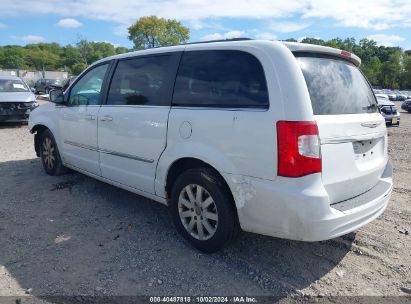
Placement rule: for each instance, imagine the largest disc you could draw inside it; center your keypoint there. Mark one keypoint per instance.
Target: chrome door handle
(89, 117)
(106, 118)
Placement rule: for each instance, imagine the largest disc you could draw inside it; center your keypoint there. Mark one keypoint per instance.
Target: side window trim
(174, 64)
(103, 85)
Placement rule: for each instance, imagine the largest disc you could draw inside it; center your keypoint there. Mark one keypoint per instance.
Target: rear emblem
(370, 124)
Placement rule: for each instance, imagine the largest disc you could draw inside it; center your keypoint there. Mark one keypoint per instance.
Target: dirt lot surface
(73, 235)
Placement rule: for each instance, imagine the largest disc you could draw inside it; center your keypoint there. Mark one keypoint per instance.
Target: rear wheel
(202, 210)
(50, 156)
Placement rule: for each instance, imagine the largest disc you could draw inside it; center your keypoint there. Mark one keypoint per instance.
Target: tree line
(385, 67)
(54, 57)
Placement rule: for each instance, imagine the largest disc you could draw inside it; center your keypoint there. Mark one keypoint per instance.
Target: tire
(207, 219)
(49, 154)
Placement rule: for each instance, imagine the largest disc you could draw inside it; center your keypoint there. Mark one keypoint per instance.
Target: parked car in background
(44, 85)
(380, 95)
(281, 139)
(406, 105)
(400, 96)
(389, 111)
(16, 99)
(392, 96)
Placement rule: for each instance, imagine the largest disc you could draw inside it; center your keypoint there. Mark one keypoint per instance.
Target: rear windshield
(336, 86)
(12, 85)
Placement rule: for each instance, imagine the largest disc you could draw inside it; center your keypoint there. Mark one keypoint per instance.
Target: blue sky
(64, 22)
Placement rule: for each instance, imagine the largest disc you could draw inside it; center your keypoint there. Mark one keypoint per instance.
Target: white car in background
(16, 99)
(282, 139)
(379, 95)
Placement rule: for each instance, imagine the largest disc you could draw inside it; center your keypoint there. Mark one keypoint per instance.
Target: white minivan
(276, 138)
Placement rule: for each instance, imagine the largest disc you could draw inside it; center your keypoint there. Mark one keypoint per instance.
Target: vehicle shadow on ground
(73, 235)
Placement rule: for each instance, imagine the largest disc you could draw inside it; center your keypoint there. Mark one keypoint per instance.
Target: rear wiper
(370, 107)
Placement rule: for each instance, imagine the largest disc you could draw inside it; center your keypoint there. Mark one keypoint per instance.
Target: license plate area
(367, 150)
(394, 120)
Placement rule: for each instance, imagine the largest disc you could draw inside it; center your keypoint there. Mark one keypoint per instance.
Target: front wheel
(202, 210)
(50, 156)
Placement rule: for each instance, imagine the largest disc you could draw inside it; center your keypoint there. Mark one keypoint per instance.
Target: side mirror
(56, 96)
(33, 89)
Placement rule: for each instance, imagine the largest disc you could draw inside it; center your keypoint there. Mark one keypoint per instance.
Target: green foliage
(77, 68)
(149, 32)
(52, 56)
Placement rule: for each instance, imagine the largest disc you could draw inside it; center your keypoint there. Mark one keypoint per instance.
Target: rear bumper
(300, 209)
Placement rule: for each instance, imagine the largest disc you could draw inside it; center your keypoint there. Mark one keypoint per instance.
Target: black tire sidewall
(226, 214)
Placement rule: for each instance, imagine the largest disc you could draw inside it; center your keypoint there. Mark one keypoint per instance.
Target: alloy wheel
(198, 212)
(49, 157)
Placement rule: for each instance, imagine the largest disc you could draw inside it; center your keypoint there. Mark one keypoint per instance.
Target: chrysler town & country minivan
(276, 138)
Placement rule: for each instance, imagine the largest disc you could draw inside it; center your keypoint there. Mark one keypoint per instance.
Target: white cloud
(266, 36)
(386, 40)
(288, 27)
(226, 35)
(126, 11)
(214, 36)
(368, 14)
(234, 34)
(32, 39)
(2, 26)
(69, 23)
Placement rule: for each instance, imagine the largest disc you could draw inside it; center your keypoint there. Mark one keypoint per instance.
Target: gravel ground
(73, 235)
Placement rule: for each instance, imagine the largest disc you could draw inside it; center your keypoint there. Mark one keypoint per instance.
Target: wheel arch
(37, 130)
(185, 163)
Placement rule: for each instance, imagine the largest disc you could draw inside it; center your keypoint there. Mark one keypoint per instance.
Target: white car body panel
(137, 132)
(78, 137)
(241, 144)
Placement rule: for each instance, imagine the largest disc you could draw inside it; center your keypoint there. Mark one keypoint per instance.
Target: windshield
(336, 86)
(12, 85)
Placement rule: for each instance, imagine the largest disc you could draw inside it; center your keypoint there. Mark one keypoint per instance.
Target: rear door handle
(89, 117)
(106, 118)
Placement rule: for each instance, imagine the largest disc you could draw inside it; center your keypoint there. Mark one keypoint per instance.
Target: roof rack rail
(220, 40)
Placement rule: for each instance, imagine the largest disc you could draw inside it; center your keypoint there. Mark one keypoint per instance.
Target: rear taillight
(299, 151)
(346, 54)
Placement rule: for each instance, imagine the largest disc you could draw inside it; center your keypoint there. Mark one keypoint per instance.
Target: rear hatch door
(352, 132)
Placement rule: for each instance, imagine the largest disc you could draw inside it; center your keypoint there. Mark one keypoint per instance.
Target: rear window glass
(336, 86)
(220, 78)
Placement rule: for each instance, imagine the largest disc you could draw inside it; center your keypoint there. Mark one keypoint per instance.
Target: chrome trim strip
(71, 143)
(124, 155)
(347, 139)
(220, 108)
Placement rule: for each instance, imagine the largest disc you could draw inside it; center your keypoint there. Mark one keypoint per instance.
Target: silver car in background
(16, 99)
